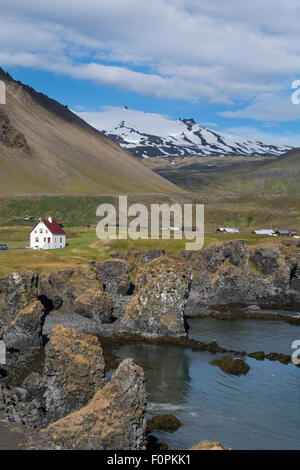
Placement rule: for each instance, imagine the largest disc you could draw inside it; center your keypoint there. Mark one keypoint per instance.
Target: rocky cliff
(148, 293)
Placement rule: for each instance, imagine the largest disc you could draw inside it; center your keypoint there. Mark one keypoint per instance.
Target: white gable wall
(41, 238)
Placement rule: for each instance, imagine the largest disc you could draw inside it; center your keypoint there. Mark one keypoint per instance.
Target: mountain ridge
(153, 135)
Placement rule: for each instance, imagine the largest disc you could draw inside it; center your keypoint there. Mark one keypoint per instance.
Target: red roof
(54, 227)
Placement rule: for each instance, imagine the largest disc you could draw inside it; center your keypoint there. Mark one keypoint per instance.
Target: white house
(47, 235)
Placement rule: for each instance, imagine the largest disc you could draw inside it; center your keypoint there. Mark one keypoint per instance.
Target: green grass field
(83, 246)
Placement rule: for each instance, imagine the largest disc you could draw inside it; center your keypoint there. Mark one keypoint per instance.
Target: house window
(36, 240)
(41, 230)
(61, 240)
(44, 240)
(35, 231)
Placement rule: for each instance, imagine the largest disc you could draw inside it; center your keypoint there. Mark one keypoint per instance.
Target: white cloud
(268, 107)
(220, 51)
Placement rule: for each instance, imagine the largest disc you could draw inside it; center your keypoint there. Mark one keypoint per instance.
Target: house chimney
(50, 220)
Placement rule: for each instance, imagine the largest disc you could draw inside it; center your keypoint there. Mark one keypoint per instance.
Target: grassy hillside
(47, 149)
(253, 176)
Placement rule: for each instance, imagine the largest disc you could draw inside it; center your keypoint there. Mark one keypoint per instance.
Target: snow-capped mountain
(153, 135)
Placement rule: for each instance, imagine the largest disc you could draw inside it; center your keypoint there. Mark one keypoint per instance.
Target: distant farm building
(47, 235)
(285, 233)
(271, 233)
(227, 230)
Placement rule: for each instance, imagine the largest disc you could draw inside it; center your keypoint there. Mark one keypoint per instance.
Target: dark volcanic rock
(10, 136)
(158, 308)
(259, 355)
(25, 331)
(265, 259)
(17, 291)
(232, 365)
(74, 370)
(77, 291)
(113, 420)
(147, 256)
(228, 282)
(213, 258)
(17, 405)
(114, 275)
(167, 423)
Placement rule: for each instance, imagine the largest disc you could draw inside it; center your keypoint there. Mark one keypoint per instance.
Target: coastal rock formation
(229, 276)
(113, 420)
(76, 291)
(232, 365)
(158, 308)
(17, 291)
(168, 423)
(25, 331)
(114, 275)
(266, 259)
(19, 406)
(209, 445)
(74, 297)
(74, 371)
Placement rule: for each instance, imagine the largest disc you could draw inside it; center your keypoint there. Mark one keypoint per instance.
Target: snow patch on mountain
(154, 135)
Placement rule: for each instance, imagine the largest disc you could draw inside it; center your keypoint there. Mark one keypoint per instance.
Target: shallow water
(248, 335)
(258, 411)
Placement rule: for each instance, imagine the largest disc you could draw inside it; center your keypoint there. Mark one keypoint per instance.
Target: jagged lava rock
(224, 276)
(266, 259)
(25, 331)
(74, 370)
(17, 291)
(113, 420)
(114, 275)
(76, 291)
(158, 308)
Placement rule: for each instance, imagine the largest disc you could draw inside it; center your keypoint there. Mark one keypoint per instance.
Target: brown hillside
(47, 149)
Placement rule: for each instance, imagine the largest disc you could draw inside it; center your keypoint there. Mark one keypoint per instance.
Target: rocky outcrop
(167, 423)
(158, 308)
(113, 420)
(17, 291)
(10, 136)
(114, 275)
(229, 275)
(19, 406)
(25, 331)
(232, 365)
(209, 445)
(213, 258)
(266, 259)
(74, 371)
(73, 297)
(76, 291)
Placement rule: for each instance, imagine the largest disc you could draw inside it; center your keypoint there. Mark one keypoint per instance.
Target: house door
(48, 240)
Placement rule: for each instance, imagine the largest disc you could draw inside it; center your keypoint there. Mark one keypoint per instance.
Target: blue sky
(228, 64)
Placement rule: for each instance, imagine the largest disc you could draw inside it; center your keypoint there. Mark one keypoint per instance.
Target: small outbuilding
(227, 230)
(270, 233)
(285, 233)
